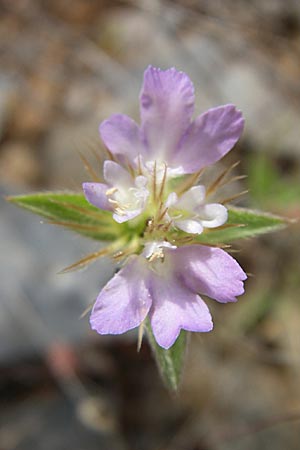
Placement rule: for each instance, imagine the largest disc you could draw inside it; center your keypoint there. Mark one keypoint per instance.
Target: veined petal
(209, 138)
(210, 271)
(175, 307)
(167, 104)
(121, 135)
(124, 302)
(116, 175)
(95, 193)
(212, 215)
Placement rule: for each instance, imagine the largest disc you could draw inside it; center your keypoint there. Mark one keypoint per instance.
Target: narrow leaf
(243, 223)
(170, 362)
(73, 211)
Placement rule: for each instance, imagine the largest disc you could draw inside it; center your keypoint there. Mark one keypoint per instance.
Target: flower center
(154, 250)
(124, 199)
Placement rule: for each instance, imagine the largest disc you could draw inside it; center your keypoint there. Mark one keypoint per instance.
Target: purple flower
(164, 284)
(167, 144)
(167, 134)
(164, 281)
(123, 194)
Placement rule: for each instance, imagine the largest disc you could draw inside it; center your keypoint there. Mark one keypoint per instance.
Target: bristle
(163, 182)
(234, 250)
(218, 181)
(140, 335)
(216, 244)
(188, 183)
(89, 168)
(129, 168)
(73, 225)
(227, 225)
(110, 155)
(86, 260)
(162, 214)
(86, 311)
(154, 181)
(234, 197)
(233, 179)
(97, 156)
(85, 211)
(118, 255)
(140, 172)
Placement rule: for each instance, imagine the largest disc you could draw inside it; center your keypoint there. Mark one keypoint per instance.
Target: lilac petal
(116, 175)
(174, 308)
(209, 138)
(95, 193)
(167, 105)
(124, 302)
(210, 271)
(121, 136)
(127, 215)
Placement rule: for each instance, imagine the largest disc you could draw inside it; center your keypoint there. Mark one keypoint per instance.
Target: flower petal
(189, 226)
(167, 105)
(212, 215)
(95, 193)
(174, 308)
(121, 136)
(210, 271)
(116, 175)
(127, 215)
(192, 198)
(209, 138)
(124, 302)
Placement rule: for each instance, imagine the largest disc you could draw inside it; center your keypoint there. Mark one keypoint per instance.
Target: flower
(124, 195)
(150, 183)
(167, 144)
(164, 283)
(167, 134)
(190, 213)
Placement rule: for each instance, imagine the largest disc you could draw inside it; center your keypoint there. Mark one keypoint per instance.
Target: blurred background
(65, 66)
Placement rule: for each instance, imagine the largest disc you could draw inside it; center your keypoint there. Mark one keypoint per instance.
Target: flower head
(164, 283)
(151, 183)
(167, 134)
(168, 143)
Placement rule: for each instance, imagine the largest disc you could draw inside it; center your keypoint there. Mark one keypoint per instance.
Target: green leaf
(170, 362)
(243, 223)
(72, 211)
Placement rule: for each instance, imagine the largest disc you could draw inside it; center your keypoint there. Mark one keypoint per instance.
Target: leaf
(170, 362)
(71, 210)
(243, 223)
